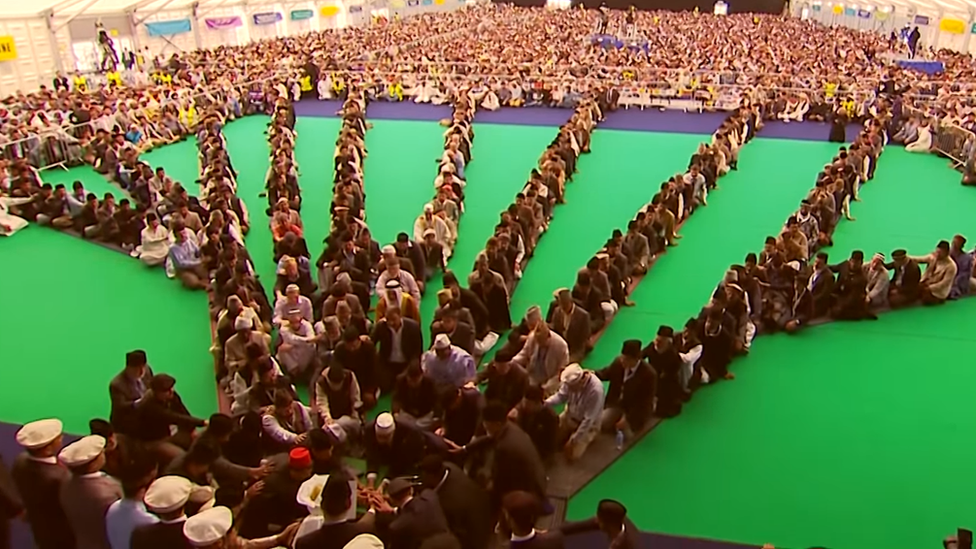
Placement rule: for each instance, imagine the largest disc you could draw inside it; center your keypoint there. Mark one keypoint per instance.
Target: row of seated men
(110, 490)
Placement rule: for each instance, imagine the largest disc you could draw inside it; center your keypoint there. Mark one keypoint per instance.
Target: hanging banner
(8, 49)
(329, 11)
(952, 26)
(881, 15)
(838, 9)
(355, 9)
(168, 28)
(413, 3)
(921, 20)
(817, 7)
(397, 4)
(221, 23)
(301, 15)
(267, 18)
(864, 14)
(850, 11)
(973, 30)
(426, 2)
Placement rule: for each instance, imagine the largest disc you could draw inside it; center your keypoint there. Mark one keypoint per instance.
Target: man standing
(126, 388)
(522, 511)
(10, 505)
(88, 494)
(418, 516)
(166, 498)
(580, 421)
(129, 513)
(39, 476)
(465, 504)
(633, 384)
(611, 519)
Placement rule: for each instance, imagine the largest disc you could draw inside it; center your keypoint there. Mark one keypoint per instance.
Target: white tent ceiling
(69, 8)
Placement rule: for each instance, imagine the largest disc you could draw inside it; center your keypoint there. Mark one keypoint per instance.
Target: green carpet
(849, 435)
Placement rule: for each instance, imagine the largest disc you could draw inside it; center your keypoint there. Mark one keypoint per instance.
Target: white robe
(10, 223)
(924, 142)
(155, 245)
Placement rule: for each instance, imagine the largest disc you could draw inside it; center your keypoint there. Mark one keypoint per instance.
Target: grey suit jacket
(39, 485)
(124, 396)
(576, 331)
(85, 499)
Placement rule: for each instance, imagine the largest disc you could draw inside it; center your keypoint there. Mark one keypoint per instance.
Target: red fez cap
(299, 458)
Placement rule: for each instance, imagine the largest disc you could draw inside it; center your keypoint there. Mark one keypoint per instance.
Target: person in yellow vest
(338, 86)
(167, 78)
(395, 91)
(305, 83)
(114, 79)
(830, 90)
(80, 82)
(188, 115)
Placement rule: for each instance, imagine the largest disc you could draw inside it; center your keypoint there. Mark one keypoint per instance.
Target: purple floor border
(653, 120)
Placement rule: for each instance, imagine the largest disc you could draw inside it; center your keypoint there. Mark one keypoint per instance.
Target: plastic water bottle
(620, 439)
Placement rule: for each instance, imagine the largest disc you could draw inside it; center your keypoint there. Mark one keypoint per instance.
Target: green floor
(848, 435)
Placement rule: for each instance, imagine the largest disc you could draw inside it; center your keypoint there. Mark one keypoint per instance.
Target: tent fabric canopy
(69, 8)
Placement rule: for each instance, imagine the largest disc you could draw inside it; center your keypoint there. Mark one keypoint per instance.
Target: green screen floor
(848, 435)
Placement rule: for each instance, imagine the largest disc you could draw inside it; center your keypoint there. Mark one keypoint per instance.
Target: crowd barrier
(953, 141)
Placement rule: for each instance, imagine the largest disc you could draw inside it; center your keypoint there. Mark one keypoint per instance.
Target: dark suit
(124, 393)
(40, 484)
(575, 329)
(628, 539)
(467, 508)
(10, 505)
(401, 457)
(421, 518)
(541, 540)
(823, 289)
(155, 418)
(411, 345)
(633, 395)
(333, 536)
(161, 535)
(462, 336)
(904, 291)
(508, 388)
(517, 465)
(85, 500)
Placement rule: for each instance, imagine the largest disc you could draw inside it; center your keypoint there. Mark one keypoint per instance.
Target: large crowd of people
(304, 452)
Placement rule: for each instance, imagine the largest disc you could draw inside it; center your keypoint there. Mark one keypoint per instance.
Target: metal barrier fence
(953, 141)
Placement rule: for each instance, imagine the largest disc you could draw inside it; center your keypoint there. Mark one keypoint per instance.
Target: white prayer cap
(82, 451)
(392, 284)
(292, 288)
(385, 423)
(429, 208)
(204, 497)
(442, 341)
(167, 494)
(602, 255)
(559, 292)
(364, 541)
(243, 323)
(388, 249)
(40, 433)
(571, 373)
(431, 232)
(208, 527)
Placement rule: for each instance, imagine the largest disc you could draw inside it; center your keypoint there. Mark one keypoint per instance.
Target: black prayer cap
(134, 359)
(665, 331)
(631, 348)
(898, 254)
(611, 511)
(943, 245)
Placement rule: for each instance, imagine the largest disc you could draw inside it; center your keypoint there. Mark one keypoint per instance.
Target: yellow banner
(952, 26)
(8, 50)
(838, 9)
(329, 11)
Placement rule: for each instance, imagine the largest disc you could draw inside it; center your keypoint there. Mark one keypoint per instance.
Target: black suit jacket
(332, 536)
(155, 418)
(161, 535)
(909, 281)
(635, 396)
(421, 518)
(411, 340)
(39, 485)
(628, 539)
(124, 395)
(10, 505)
(467, 508)
(517, 463)
(462, 336)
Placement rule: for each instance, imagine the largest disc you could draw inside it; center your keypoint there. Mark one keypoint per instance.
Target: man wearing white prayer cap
(88, 494)
(166, 498)
(448, 365)
(583, 394)
(364, 541)
(38, 476)
(211, 529)
(397, 445)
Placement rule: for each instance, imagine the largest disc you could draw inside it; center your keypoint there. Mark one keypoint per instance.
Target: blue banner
(427, 2)
(301, 15)
(864, 14)
(269, 18)
(168, 28)
(921, 20)
(850, 11)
